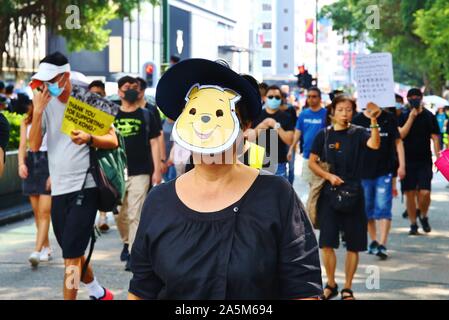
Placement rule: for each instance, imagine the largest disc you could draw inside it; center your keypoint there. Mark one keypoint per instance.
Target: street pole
(165, 32)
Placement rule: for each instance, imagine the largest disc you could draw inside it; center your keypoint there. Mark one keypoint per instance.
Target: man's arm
(436, 144)
(405, 129)
(401, 158)
(156, 154)
(40, 102)
(107, 141)
(296, 137)
(286, 136)
(2, 161)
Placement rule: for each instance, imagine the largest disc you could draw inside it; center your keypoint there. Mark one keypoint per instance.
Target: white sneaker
(45, 254)
(34, 258)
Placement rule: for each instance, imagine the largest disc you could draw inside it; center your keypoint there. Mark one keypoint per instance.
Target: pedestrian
(98, 87)
(379, 168)
(157, 116)
(140, 132)
(33, 169)
(442, 120)
(219, 229)
(340, 205)
(417, 127)
(4, 138)
(309, 123)
(274, 130)
(73, 189)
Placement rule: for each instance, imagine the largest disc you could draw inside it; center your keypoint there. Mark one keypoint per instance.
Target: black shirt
(292, 112)
(287, 124)
(417, 142)
(133, 127)
(345, 150)
(4, 133)
(264, 249)
(378, 163)
(153, 109)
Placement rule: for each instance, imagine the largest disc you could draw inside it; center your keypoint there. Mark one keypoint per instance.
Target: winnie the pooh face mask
(208, 124)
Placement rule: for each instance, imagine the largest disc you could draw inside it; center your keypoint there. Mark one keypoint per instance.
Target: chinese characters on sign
(374, 78)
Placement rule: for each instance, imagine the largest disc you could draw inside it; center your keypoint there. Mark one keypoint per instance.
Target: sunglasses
(275, 97)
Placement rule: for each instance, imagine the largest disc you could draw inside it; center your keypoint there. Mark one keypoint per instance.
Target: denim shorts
(38, 173)
(378, 197)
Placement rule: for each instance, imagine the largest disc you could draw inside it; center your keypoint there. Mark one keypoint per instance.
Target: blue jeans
(282, 170)
(291, 169)
(378, 197)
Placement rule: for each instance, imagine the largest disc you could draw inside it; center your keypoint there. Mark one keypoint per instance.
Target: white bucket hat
(48, 71)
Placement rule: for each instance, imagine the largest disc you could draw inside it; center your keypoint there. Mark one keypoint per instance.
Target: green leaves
(14, 120)
(416, 32)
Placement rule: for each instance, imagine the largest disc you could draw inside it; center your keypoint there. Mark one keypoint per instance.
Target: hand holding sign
(373, 110)
(80, 137)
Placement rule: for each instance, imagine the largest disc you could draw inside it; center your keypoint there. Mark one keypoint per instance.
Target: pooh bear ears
(225, 93)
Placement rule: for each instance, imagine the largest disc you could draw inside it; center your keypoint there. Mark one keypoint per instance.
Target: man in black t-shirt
(154, 110)
(417, 127)
(4, 137)
(139, 129)
(275, 132)
(379, 167)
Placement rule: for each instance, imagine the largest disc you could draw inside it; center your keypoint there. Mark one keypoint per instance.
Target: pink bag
(443, 163)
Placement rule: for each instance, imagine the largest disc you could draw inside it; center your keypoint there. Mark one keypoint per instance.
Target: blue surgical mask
(399, 106)
(54, 89)
(273, 103)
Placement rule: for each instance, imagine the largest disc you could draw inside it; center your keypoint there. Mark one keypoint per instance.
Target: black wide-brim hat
(179, 79)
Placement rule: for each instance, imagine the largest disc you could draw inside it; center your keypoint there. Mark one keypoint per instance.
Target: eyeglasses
(275, 97)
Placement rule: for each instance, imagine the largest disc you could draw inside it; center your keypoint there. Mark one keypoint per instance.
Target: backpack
(108, 169)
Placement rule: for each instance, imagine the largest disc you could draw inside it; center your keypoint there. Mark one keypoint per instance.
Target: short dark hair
(9, 89)
(2, 85)
(340, 99)
(56, 58)
(316, 89)
(97, 83)
(274, 87)
(414, 92)
(126, 79)
(175, 59)
(242, 108)
(142, 82)
(399, 97)
(263, 86)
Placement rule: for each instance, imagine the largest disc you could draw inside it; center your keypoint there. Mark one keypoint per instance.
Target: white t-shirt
(68, 162)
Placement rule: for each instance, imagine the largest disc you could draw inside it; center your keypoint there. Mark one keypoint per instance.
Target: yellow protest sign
(79, 115)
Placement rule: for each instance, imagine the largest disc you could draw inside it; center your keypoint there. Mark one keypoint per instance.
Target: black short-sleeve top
(262, 247)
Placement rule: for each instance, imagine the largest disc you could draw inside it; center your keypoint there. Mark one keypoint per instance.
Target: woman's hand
(23, 171)
(373, 110)
(334, 180)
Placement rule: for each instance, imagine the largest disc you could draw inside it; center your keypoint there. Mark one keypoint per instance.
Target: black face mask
(415, 103)
(131, 95)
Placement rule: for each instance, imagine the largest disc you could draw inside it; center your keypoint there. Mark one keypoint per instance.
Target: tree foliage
(416, 32)
(18, 15)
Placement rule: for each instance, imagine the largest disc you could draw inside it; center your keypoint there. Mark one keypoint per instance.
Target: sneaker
(425, 224)
(107, 295)
(124, 256)
(373, 247)
(45, 254)
(413, 230)
(34, 258)
(382, 252)
(103, 225)
(128, 265)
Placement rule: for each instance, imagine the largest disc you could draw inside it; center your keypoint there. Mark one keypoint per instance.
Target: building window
(266, 25)
(285, 10)
(285, 29)
(285, 47)
(266, 63)
(267, 45)
(285, 65)
(266, 7)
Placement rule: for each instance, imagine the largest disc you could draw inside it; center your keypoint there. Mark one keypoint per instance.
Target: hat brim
(179, 79)
(48, 71)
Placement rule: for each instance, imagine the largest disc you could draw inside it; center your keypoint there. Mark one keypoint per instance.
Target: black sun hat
(174, 85)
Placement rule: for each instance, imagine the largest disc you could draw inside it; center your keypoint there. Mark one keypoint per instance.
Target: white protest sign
(375, 81)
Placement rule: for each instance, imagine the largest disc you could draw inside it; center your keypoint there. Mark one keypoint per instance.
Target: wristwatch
(277, 126)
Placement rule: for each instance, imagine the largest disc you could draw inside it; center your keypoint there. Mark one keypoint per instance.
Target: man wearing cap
(417, 127)
(74, 192)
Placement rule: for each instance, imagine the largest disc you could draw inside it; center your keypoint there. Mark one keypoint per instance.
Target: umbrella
(436, 101)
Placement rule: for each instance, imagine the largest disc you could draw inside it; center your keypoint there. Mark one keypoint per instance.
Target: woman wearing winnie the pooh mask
(223, 230)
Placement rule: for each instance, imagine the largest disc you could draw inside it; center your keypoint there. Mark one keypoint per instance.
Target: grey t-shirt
(68, 162)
